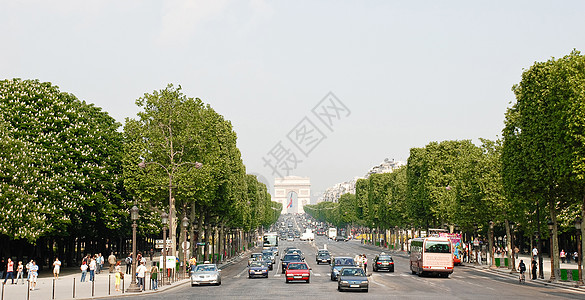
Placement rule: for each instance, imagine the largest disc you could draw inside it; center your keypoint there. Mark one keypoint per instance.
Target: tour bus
(270, 240)
(431, 255)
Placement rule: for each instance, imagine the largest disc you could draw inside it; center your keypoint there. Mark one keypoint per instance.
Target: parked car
(258, 268)
(383, 262)
(338, 263)
(205, 274)
(352, 278)
(298, 271)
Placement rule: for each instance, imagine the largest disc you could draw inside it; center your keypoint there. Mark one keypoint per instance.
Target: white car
(205, 274)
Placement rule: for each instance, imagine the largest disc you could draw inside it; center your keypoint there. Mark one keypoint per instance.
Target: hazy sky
(406, 72)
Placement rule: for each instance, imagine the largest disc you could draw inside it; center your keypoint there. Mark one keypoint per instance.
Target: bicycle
(522, 278)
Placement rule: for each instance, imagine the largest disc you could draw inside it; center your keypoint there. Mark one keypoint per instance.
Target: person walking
(28, 265)
(9, 270)
(83, 271)
(522, 268)
(534, 253)
(365, 261)
(129, 263)
(119, 275)
(154, 276)
(563, 255)
(112, 261)
(141, 270)
(34, 269)
(20, 272)
(99, 263)
(92, 268)
(533, 266)
(56, 268)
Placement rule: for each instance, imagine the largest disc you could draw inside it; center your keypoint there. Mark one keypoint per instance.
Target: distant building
(333, 193)
(293, 192)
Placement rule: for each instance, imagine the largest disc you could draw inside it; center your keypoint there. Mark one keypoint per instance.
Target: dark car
(288, 258)
(352, 278)
(340, 238)
(383, 262)
(258, 268)
(338, 263)
(323, 256)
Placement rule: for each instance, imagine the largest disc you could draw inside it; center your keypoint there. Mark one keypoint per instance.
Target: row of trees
(534, 176)
(68, 175)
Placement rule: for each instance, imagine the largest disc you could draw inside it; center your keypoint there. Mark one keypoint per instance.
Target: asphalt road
(464, 283)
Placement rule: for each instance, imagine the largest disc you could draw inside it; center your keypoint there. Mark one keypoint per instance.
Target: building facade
(293, 192)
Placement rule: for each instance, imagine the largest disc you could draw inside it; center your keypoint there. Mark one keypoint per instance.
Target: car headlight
(306, 274)
(335, 271)
(344, 281)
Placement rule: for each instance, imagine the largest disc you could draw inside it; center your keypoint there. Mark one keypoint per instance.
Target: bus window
(437, 247)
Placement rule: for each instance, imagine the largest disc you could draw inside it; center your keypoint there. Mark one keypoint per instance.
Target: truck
(308, 235)
(332, 233)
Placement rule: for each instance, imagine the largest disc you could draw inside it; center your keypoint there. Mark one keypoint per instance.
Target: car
(274, 250)
(383, 262)
(254, 257)
(323, 256)
(295, 251)
(205, 274)
(267, 259)
(290, 238)
(352, 278)
(288, 258)
(298, 271)
(258, 268)
(338, 263)
(340, 238)
(270, 253)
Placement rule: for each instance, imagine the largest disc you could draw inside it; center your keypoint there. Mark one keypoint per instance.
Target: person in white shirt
(92, 267)
(56, 268)
(141, 270)
(534, 252)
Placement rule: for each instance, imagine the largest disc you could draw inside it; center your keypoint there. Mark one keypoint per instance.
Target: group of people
(362, 261)
(8, 268)
(566, 257)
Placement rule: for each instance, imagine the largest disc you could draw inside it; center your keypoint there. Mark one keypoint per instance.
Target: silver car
(205, 274)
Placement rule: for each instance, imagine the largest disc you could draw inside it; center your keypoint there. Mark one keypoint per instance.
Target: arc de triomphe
(293, 192)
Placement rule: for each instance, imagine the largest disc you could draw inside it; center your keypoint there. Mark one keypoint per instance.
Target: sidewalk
(68, 286)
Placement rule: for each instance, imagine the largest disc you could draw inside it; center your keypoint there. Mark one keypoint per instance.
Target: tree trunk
(555, 241)
(509, 253)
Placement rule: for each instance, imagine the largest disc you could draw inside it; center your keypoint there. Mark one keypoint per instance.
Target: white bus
(270, 240)
(431, 255)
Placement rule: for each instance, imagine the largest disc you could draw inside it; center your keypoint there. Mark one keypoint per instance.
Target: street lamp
(134, 216)
(491, 245)
(578, 227)
(551, 225)
(185, 225)
(165, 220)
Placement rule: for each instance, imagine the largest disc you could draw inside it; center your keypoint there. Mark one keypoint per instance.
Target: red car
(298, 271)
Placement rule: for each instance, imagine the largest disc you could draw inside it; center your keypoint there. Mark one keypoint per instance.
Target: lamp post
(185, 260)
(476, 235)
(165, 220)
(578, 227)
(134, 216)
(551, 224)
(491, 245)
(512, 225)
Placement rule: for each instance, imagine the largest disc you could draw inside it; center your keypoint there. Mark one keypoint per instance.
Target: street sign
(186, 245)
(159, 244)
(201, 244)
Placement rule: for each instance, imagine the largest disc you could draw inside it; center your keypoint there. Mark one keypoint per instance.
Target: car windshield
(292, 257)
(353, 272)
(297, 267)
(385, 258)
(323, 254)
(256, 264)
(344, 262)
(205, 269)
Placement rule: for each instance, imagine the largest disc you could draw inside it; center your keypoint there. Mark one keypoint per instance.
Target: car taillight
(379, 263)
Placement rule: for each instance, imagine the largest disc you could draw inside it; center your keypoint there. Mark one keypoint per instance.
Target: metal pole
(28, 289)
(73, 287)
(580, 282)
(53, 289)
(164, 254)
(3, 284)
(123, 284)
(133, 286)
(109, 284)
(93, 287)
(513, 254)
(552, 261)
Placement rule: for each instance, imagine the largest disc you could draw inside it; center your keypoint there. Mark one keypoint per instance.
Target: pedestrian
(563, 255)
(141, 273)
(533, 265)
(365, 261)
(151, 254)
(99, 263)
(154, 276)
(534, 252)
(56, 268)
(119, 275)
(92, 268)
(112, 261)
(20, 272)
(516, 251)
(129, 263)
(576, 257)
(34, 269)
(522, 269)
(9, 270)
(83, 271)
(28, 265)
